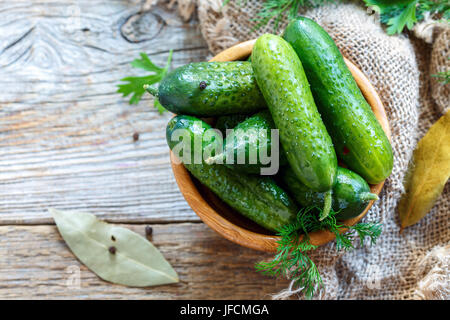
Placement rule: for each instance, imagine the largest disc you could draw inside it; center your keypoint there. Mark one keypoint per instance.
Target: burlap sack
(413, 264)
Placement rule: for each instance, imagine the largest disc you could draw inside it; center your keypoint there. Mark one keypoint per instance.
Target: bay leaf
(114, 253)
(430, 172)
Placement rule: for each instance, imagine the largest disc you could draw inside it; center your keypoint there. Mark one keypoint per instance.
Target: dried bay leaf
(114, 253)
(431, 171)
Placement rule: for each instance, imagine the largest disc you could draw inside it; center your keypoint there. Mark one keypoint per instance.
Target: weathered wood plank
(66, 142)
(65, 134)
(36, 263)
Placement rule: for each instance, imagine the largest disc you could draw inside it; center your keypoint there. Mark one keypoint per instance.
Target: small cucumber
(251, 136)
(351, 193)
(207, 89)
(303, 135)
(357, 135)
(258, 198)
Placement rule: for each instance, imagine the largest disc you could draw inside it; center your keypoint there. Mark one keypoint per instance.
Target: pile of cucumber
(299, 84)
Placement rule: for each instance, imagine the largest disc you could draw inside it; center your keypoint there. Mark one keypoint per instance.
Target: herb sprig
(292, 260)
(275, 9)
(405, 13)
(443, 76)
(396, 14)
(135, 85)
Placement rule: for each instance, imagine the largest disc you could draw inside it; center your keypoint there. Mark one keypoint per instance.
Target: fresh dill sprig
(292, 260)
(276, 9)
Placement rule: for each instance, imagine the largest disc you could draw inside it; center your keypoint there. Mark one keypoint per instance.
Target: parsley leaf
(135, 85)
(405, 13)
(406, 18)
(396, 14)
(145, 63)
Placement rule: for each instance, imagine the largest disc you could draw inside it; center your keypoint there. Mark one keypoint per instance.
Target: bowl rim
(245, 237)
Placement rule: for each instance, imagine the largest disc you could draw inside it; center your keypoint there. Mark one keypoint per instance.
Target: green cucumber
(252, 135)
(351, 193)
(229, 122)
(257, 198)
(357, 135)
(303, 135)
(208, 89)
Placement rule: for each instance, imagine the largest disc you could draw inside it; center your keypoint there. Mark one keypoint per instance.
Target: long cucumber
(357, 135)
(282, 80)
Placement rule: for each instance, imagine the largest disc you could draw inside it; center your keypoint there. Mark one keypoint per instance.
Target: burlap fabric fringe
(414, 264)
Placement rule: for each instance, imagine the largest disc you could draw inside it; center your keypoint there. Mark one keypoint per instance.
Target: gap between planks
(36, 263)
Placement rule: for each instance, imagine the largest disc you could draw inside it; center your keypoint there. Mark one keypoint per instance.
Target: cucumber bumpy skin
(358, 137)
(351, 193)
(208, 89)
(229, 122)
(257, 198)
(252, 134)
(303, 135)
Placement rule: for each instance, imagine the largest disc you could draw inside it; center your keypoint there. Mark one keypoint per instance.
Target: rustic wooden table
(66, 141)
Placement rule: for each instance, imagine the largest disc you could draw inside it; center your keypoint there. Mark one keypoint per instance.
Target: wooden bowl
(228, 222)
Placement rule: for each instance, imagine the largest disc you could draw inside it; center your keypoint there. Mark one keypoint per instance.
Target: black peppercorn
(112, 250)
(148, 231)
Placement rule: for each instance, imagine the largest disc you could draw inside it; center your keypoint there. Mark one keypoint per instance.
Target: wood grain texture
(65, 134)
(35, 263)
(228, 222)
(66, 141)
